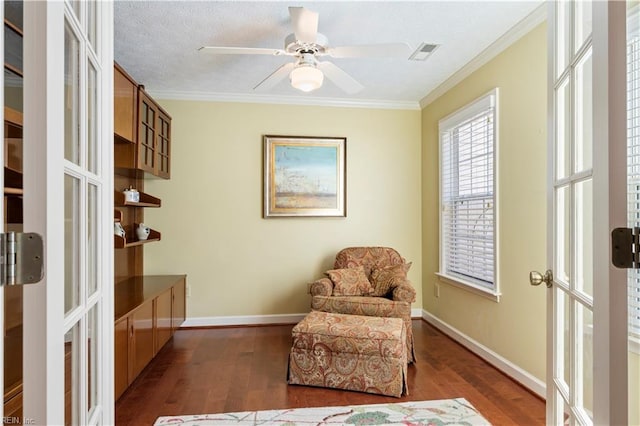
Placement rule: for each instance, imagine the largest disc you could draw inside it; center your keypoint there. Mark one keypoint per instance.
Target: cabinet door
(125, 105)
(163, 319)
(179, 308)
(142, 340)
(147, 117)
(163, 148)
(121, 354)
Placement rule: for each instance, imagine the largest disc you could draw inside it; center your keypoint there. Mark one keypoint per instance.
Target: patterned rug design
(428, 413)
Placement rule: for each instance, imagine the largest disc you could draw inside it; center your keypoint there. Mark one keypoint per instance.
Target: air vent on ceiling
(423, 52)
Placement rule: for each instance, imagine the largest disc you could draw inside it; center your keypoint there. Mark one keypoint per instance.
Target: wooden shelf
(117, 215)
(13, 191)
(117, 139)
(12, 182)
(120, 242)
(146, 200)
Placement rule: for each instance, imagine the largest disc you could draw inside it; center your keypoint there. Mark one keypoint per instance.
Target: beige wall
(514, 327)
(211, 216)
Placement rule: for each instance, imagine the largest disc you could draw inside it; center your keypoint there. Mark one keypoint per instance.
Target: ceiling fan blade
(386, 50)
(241, 50)
(340, 78)
(276, 77)
(305, 24)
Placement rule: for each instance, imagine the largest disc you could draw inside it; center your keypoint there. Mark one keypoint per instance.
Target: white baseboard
(243, 320)
(258, 319)
(531, 382)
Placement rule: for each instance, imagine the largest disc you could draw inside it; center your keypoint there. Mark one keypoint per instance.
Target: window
(467, 195)
(633, 162)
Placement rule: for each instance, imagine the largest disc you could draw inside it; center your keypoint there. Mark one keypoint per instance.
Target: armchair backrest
(368, 257)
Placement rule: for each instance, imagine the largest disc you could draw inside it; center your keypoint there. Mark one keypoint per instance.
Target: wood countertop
(132, 292)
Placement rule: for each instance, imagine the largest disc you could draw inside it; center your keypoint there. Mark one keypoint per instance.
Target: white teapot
(143, 231)
(119, 230)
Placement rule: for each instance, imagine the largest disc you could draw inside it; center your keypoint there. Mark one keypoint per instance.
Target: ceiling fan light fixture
(306, 78)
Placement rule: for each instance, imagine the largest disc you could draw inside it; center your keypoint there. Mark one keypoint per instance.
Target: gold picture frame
(304, 176)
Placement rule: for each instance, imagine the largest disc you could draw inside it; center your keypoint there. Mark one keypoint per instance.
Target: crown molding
(284, 100)
(535, 18)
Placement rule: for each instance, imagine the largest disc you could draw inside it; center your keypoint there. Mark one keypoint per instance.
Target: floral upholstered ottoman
(351, 352)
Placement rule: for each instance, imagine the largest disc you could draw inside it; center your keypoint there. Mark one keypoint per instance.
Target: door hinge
(625, 248)
(21, 258)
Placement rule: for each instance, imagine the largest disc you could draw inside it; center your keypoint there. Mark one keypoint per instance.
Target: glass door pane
(13, 207)
(72, 243)
(633, 201)
(72, 96)
(583, 222)
(583, 113)
(563, 130)
(583, 23)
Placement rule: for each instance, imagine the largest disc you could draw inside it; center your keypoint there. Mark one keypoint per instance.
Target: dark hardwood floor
(221, 370)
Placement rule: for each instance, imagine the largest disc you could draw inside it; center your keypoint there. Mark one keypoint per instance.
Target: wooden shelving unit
(12, 182)
(148, 309)
(146, 200)
(120, 242)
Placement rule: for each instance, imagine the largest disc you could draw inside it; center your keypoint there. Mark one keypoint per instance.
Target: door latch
(21, 258)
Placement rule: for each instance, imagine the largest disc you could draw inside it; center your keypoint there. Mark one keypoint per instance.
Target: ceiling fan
(306, 45)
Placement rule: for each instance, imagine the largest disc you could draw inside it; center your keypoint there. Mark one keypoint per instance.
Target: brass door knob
(536, 278)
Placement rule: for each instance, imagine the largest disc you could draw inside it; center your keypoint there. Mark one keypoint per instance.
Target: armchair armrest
(404, 293)
(321, 287)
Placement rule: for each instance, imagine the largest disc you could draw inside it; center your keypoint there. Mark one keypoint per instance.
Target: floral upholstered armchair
(369, 281)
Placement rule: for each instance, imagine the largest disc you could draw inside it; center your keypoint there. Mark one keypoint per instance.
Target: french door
(587, 316)
(67, 323)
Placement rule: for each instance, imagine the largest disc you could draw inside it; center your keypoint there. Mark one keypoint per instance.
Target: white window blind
(633, 170)
(467, 194)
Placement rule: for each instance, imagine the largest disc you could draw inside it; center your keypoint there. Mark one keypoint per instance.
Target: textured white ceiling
(157, 42)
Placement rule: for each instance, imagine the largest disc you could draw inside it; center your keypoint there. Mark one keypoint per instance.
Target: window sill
(469, 286)
(634, 344)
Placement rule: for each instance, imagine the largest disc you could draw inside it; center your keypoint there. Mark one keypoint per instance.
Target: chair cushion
(350, 282)
(362, 305)
(356, 334)
(385, 279)
(368, 257)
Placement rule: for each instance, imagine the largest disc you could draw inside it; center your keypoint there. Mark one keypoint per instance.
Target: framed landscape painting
(304, 176)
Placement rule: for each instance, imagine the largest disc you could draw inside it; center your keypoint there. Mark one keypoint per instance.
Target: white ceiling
(157, 42)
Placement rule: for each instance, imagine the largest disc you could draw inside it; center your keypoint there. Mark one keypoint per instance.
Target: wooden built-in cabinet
(141, 333)
(154, 136)
(148, 311)
(178, 308)
(125, 106)
(163, 145)
(164, 312)
(121, 355)
(142, 129)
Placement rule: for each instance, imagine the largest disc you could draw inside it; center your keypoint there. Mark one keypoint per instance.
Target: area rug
(429, 413)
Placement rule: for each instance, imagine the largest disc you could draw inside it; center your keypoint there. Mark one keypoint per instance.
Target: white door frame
(43, 357)
(44, 318)
(610, 338)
